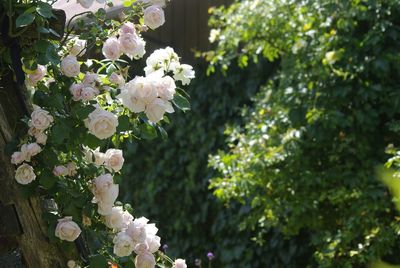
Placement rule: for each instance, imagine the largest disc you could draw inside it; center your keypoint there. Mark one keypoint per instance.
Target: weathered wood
(36, 249)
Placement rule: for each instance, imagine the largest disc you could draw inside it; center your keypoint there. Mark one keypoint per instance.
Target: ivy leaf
(98, 261)
(24, 20)
(181, 102)
(44, 10)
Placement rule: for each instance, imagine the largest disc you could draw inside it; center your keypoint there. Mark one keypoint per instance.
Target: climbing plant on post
(66, 153)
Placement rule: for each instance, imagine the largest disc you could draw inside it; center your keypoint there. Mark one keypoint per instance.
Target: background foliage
(305, 158)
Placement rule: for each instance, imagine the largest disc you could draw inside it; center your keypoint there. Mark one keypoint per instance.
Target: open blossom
(70, 66)
(111, 49)
(145, 260)
(67, 229)
(30, 150)
(154, 16)
(101, 123)
(60, 171)
(41, 138)
(113, 160)
(105, 193)
(123, 244)
(95, 157)
(137, 93)
(180, 263)
(127, 28)
(140, 230)
(71, 167)
(25, 174)
(78, 47)
(156, 109)
(117, 79)
(17, 158)
(90, 79)
(118, 219)
(76, 91)
(36, 75)
(132, 45)
(88, 93)
(161, 59)
(166, 87)
(40, 119)
(184, 73)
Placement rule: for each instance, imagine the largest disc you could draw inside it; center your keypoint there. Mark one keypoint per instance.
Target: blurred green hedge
(305, 158)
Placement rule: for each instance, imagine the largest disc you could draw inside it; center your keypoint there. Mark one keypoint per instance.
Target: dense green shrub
(305, 158)
(169, 182)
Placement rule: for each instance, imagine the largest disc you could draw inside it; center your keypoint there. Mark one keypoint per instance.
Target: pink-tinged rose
(25, 174)
(71, 166)
(78, 47)
(102, 124)
(145, 260)
(67, 229)
(118, 219)
(117, 79)
(70, 66)
(40, 119)
(17, 158)
(180, 263)
(111, 49)
(41, 138)
(154, 17)
(156, 109)
(127, 28)
(76, 91)
(89, 93)
(166, 88)
(114, 160)
(132, 45)
(90, 79)
(37, 75)
(30, 150)
(60, 171)
(105, 193)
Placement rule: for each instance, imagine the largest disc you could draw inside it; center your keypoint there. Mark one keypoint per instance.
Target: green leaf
(98, 261)
(24, 19)
(47, 180)
(60, 133)
(181, 102)
(123, 123)
(82, 112)
(44, 10)
(147, 131)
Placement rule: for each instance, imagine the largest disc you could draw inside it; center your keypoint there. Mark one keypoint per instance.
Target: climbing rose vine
(83, 109)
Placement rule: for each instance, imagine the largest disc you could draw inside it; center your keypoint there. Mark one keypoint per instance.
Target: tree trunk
(25, 230)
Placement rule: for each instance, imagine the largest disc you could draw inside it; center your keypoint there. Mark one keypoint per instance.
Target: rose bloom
(76, 91)
(140, 229)
(145, 260)
(132, 45)
(117, 79)
(70, 66)
(25, 174)
(17, 158)
(78, 47)
(71, 166)
(88, 93)
(60, 171)
(67, 229)
(104, 190)
(151, 244)
(166, 87)
(111, 49)
(40, 119)
(30, 150)
(180, 263)
(154, 17)
(118, 219)
(127, 28)
(114, 160)
(37, 75)
(41, 138)
(164, 59)
(156, 109)
(123, 245)
(90, 79)
(184, 73)
(101, 123)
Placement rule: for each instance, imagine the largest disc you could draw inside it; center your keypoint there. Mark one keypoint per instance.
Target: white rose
(95, 157)
(117, 79)
(17, 158)
(41, 138)
(111, 49)
(104, 189)
(184, 73)
(78, 47)
(30, 150)
(104, 208)
(166, 88)
(153, 242)
(102, 124)
(25, 174)
(180, 263)
(88, 93)
(67, 229)
(127, 28)
(70, 66)
(145, 260)
(60, 171)
(154, 17)
(132, 45)
(40, 119)
(76, 91)
(161, 59)
(123, 245)
(71, 166)
(137, 93)
(118, 219)
(156, 109)
(37, 75)
(114, 160)
(85, 3)
(90, 79)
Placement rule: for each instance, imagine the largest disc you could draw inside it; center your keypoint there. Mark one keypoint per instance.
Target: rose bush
(82, 107)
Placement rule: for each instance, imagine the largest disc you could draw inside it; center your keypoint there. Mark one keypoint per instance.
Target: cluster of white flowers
(40, 121)
(112, 159)
(67, 170)
(88, 89)
(128, 43)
